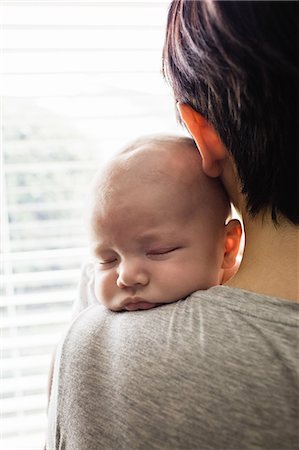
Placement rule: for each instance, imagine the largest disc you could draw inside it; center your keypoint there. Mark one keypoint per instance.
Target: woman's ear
(233, 233)
(211, 148)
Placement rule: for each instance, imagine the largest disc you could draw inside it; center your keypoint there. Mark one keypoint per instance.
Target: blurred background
(78, 81)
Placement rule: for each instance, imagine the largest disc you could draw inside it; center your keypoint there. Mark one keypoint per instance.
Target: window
(79, 80)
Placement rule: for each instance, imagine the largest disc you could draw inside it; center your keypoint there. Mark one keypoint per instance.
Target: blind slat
(29, 320)
(72, 39)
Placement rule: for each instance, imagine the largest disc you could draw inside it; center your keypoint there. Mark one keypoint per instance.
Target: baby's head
(158, 226)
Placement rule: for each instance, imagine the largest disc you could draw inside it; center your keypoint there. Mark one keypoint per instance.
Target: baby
(159, 227)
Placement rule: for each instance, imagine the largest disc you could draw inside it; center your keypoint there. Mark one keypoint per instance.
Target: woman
(219, 371)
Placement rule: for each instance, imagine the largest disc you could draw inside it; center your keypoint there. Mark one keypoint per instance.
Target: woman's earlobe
(209, 144)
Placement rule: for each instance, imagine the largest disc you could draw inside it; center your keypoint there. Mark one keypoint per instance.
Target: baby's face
(151, 249)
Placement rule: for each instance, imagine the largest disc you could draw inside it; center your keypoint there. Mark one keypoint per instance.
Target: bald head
(153, 172)
(168, 166)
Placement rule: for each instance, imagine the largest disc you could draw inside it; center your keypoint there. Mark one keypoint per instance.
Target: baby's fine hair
(159, 140)
(184, 142)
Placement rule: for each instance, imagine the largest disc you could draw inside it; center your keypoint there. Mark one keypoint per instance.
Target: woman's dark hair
(236, 63)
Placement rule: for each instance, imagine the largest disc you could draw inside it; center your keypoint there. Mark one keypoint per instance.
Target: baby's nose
(131, 274)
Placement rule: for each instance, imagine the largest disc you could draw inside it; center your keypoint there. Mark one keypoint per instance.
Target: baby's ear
(233, 233)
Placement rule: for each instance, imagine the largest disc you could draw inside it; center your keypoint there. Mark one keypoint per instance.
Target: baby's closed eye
(161, 252)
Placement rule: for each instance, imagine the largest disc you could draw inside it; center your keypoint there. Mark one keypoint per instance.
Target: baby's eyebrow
(98, 249)
(152, 238)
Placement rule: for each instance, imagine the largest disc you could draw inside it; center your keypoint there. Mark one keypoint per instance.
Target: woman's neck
(270, 264)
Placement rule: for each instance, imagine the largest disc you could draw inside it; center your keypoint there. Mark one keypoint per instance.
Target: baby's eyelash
(110, 261)
(162, 251)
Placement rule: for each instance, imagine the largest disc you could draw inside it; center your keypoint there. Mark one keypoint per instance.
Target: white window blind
(78, 80)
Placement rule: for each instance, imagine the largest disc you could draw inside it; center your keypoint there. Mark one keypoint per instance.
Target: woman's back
(218, 370)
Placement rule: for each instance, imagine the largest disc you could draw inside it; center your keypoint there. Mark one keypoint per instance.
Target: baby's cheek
(103, 287)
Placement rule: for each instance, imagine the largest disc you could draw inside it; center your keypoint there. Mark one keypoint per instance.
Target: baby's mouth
(136, 303)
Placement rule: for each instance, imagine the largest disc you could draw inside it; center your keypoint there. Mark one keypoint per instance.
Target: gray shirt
(218, 370)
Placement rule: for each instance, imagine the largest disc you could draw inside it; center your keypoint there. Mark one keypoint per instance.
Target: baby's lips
(139, 305)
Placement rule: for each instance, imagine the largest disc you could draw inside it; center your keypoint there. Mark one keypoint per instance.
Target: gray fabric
(218, 370)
